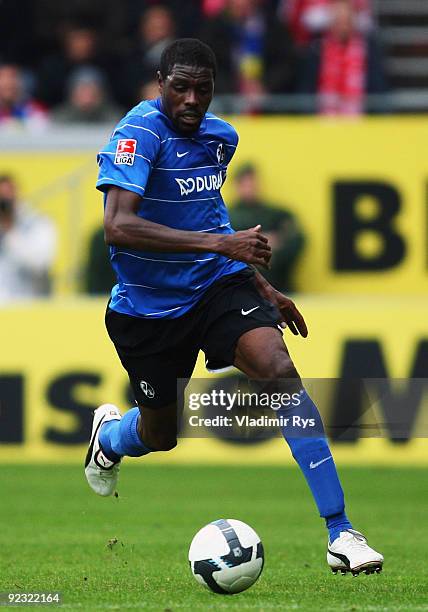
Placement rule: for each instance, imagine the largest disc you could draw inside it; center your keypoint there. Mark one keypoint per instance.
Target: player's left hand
(291, 315)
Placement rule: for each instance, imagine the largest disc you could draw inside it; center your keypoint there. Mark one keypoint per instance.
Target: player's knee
(278, 366)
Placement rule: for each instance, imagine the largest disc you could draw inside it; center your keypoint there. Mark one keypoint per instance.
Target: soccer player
(186, 282)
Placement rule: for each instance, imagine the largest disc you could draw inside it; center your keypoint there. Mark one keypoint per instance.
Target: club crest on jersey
(125, 151)
(221, 153)
(200, 183)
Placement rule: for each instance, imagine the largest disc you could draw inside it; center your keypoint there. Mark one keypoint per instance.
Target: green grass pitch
(55, 535)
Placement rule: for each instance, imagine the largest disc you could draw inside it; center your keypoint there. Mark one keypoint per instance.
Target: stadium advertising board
(59, 365)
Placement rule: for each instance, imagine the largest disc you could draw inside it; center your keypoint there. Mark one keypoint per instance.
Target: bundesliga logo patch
(125, 152)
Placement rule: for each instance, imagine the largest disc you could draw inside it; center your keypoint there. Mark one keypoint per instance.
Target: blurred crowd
(89, 62)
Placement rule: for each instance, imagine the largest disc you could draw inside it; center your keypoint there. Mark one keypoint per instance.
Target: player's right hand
(249, 246)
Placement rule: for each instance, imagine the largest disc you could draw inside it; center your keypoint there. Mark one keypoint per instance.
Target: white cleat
(351, 553)
(101, 472)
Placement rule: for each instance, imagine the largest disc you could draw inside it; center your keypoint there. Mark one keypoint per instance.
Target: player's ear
(160, 80)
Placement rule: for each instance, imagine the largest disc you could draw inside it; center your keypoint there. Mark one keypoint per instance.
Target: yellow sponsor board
(358, 187)
(57, 363)
(307, 164)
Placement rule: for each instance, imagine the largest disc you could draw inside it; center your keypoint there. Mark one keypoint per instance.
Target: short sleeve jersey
(179, 179)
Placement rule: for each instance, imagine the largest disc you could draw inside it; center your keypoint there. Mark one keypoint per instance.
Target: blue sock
(311, 451)
(336, 524)
(119, 438)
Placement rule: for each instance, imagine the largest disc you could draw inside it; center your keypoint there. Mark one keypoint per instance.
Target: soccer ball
(226, 556)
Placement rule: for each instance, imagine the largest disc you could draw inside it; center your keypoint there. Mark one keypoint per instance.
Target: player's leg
(242, 330)
(246, 334)
(140, 431)
(262, 355)
(272, 364)
(152, 425)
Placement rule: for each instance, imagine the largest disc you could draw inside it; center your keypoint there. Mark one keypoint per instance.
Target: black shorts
(158, 352)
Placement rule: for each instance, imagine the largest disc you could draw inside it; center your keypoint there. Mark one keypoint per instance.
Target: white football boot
(351, 553)
(101, 472)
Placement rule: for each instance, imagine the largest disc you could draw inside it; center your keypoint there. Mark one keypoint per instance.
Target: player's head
(186, 80)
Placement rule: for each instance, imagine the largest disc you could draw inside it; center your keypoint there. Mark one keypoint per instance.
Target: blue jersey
(179, 179)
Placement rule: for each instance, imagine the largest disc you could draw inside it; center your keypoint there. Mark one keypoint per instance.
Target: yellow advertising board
(57, 364)
(358, 187)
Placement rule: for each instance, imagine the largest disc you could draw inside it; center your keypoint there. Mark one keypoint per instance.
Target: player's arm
(291, 317)
(124, 228)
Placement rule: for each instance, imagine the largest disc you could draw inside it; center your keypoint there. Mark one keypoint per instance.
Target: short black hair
(189, 52)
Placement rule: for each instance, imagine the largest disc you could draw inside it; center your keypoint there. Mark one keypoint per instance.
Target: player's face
(186, 95)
